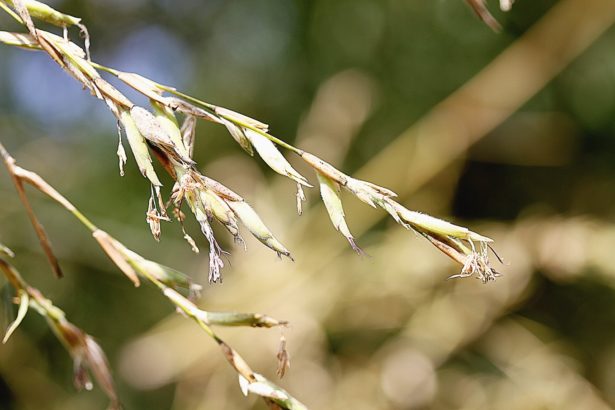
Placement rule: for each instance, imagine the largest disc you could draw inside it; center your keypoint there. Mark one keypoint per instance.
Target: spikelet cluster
(166, 130)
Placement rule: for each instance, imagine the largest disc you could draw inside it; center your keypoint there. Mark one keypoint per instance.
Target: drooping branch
(86, 353)
(9, 162)
(171, 284)
(160, 132)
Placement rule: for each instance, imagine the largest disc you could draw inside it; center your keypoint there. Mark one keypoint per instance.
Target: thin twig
(9, 162)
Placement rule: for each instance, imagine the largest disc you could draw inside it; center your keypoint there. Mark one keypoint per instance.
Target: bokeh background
(511, 134)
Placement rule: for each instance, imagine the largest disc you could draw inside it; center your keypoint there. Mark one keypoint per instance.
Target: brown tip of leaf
(287, 254)
(55, 266)
(39, 229)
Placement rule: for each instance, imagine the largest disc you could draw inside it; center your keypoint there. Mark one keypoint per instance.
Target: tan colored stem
(14, 171)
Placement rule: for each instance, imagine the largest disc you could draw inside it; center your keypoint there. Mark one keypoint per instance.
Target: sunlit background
(510, 134)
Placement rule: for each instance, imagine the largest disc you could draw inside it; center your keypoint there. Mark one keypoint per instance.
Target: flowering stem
(212, 110)
(10, 12)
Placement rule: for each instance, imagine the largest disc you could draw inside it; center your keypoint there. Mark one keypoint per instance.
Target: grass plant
(166, 131)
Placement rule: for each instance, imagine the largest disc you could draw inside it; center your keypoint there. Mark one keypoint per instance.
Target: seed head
(139, 148)
(240, 118)
(153, 131)
(220, 211)
(257, 227)
(145, 86)
(166, 118)
(330, 193)
(324, 168)
(238, 135)
(270, 154)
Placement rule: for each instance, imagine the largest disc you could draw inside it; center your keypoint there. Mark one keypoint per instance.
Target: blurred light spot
(196, 7)
(563, 248)
(255, 33)
(463, 390)
(408, 379)
(156, 54)
(156, 359)
(46, 93)
(531, 139)
(590, 88)
(122, 5)
(53, 3)
(239, 173)
(138, 367)
(314, 381)
(341, 106)
(360, 34)
(606, 374)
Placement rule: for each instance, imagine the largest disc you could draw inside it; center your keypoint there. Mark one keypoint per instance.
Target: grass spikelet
(21, 8)
(221, 212)
(170, 277)
(264, 388)
(193, 198)
(86, 353)
(257, 227)
(42, 11)
(139, 148)
(166, 118)
(188, 132)
(239, 135)
(324, 168)
(330, 193)
(240, 118)
(116, 252)
(145, 86)
(154, 132)
(24, 301)
(190, 109)
(19, 40)
(270, 154)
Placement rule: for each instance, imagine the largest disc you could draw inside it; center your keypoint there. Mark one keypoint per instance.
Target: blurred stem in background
(447, 132)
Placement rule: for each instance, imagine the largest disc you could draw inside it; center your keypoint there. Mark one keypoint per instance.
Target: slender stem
(6, 8)
(212, 109)
(264, 134)
(12, 275)
(105, 68)
(186, 306)
(194, 100)
(9, 162)
(20, 175)
(190, 310)
(84, 220)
